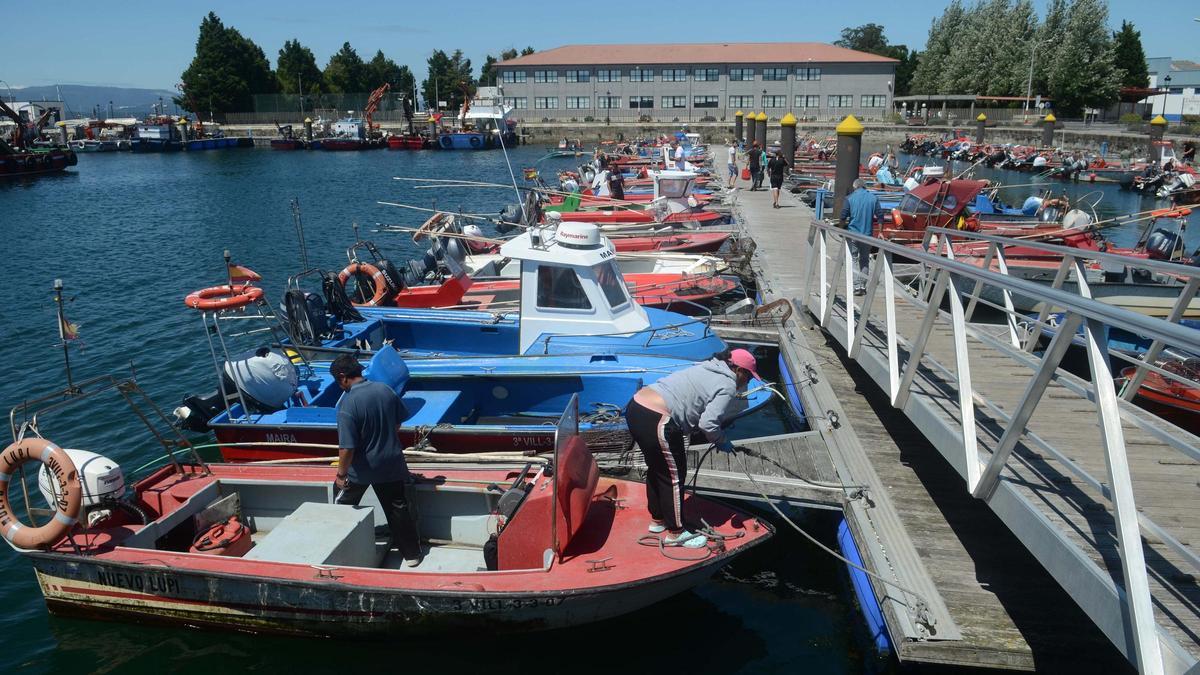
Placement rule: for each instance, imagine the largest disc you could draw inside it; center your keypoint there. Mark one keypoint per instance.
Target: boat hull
(36, 163)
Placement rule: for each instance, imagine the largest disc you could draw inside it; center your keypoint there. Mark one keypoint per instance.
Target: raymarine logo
(571, 235)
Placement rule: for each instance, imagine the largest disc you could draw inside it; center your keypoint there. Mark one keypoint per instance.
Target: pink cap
(744, 359)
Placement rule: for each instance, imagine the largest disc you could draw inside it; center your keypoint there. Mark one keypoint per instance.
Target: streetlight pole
(1029, 84)
(638, 70)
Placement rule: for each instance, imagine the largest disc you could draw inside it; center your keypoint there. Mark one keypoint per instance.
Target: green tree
(487, 74)
(449, 79)
(927, 76)
(527, 51)
(226, 72)
(1049, 39)
(1082, 73)
(381, 69)
(868, 38)
(1129, 56)
(346, 73)
(905, 69)
(296, 69)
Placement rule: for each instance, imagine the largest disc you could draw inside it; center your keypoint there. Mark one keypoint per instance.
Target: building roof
(715, 52)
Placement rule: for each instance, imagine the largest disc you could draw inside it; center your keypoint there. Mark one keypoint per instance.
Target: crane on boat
(373, 105)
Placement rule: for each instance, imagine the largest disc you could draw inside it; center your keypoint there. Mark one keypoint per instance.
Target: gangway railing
(831, 284)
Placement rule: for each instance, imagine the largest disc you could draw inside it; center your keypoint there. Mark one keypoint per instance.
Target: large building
(697, 82)
(1179, 82)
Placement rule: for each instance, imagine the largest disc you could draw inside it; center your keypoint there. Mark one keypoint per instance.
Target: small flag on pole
(240, 274)
(67, 329)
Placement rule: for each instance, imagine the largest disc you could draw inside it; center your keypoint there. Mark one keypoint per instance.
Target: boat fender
(378, 281)
(446, 142)
(68, 498)
(229, 537)
(217, 298)
(476, 141)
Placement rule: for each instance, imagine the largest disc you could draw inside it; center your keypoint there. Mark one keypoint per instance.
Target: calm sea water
(131, 235)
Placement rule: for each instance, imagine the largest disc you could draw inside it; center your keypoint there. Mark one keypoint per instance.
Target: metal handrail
(951, 279)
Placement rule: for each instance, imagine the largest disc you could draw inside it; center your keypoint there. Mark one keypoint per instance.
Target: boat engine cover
(1076, 218)
(102, 479)
(1161, 244)
(266, 376)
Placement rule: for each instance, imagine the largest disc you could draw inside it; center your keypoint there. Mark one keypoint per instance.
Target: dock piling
(787, 138)
(980, 125)
(738, 126)
(760, 130)
(1158, 125)
(849, 155)
(308, 129)
(1048, 130)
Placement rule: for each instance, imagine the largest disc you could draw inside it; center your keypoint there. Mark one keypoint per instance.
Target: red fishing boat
(648, 290)
(406, 142)
(21, 159)
(508, 545)
(1177, 402)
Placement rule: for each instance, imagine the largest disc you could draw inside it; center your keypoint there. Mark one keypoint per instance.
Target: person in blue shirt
(370, 453)
(860, 212)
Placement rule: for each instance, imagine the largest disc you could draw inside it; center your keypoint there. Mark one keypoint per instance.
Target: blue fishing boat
(573, 299)
(481, 127)
(158, 134)
(267, 409)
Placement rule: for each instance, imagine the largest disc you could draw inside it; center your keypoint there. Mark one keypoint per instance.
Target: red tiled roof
(716, 52)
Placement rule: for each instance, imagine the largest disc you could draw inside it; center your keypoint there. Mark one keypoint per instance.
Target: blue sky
(137, 43)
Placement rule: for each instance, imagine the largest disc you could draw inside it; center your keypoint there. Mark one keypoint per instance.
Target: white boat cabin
(675, 187)
(570, 284)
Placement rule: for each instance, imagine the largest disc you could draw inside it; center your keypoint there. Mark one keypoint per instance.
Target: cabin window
(559, 288)
(913, 204)
(673, 188)
(949, 203)
(610, 282)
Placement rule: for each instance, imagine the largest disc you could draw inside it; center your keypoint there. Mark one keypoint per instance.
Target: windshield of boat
(611, 283)
(559, 288)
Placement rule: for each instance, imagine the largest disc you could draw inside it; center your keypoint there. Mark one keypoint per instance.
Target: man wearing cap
(370, 454)
(662, 414)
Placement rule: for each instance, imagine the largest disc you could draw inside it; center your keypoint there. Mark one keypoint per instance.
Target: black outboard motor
(264, 379)
(304, 318)
(1163, 244)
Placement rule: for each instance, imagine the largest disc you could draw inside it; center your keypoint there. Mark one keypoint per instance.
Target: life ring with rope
(216, 298)
(68, 499)
(378, 281)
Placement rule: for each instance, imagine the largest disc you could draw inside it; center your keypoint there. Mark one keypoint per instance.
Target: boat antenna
(504, 149)
(66, 332)
(299, 232)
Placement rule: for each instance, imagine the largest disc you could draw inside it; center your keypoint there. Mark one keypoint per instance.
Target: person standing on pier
(776, 168)
(860, 213)
(660, 416)
(754, 157)
(370, 454)
(733, 167)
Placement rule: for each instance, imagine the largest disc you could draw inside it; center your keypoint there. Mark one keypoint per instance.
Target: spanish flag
(243, 275)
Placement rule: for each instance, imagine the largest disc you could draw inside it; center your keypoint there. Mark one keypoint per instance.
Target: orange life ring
(377, 279)
(70, 493)
(223, 297)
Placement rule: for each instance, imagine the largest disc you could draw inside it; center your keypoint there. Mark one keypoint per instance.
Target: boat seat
(387, 367)
(429, 407)
(321, 534)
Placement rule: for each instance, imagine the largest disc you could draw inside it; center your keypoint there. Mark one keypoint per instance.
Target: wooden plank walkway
(1008, 612)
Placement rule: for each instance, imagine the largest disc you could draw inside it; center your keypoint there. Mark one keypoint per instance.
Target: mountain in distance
(79, 98)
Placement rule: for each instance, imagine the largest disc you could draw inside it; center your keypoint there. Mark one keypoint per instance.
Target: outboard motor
(1163, 244)
(509, 215)
(264, 379)
(303, 315)
(103, 487)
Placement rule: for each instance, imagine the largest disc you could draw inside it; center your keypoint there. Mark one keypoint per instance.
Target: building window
(608, 102)
(579, 75)
(841, 101)
(808, 101)
(774, 101)
(674, 75)
(707, 74)
(641, 75)
(545, 103)
(1175, 91)
(706, 101)
(674, 102)
(775, 74)
(579, 102)
(608, 75)
(808, 73)
(741, 74)
(741, 101)
(641, 101)
(512, 76)
(545, 76)
(517, 102)
(874, 101)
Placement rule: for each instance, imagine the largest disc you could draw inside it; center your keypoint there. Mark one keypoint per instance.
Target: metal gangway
(1101, 492)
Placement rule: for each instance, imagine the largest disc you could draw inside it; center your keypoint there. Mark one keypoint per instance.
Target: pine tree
(487, 74)
(449, 79)
(1129, 56)
(296, 69)
(226, 72)
(1082, 73)
(1050, 37)
(381, 69)
(346, 73)
(1010, 65)
(942, 35)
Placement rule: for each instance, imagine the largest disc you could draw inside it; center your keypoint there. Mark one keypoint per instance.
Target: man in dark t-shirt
(370, 454)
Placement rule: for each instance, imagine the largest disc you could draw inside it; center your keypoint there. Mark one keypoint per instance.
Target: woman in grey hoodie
(659, 417)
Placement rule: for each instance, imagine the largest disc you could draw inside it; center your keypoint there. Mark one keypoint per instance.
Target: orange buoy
(223, 297)
(67, 504)
(377, 280)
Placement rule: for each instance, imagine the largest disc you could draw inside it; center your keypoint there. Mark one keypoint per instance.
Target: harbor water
(131, 235)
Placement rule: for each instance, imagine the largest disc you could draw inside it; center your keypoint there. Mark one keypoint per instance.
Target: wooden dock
(985, 599)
